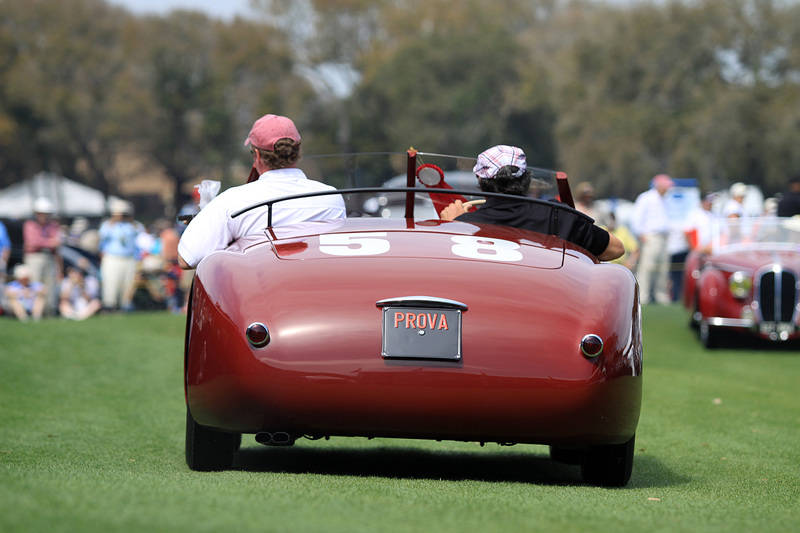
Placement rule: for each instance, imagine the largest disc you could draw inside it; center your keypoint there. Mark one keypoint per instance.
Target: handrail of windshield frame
(269, 203)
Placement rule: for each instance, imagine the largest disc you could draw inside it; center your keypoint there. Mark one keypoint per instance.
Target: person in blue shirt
(118, 256)
(5, 252)
(26, 297)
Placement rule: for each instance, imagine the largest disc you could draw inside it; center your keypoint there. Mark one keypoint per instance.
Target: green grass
(91, 439)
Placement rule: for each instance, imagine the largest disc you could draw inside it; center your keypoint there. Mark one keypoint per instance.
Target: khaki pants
(43, 268)
(652, 272)
(116, 279)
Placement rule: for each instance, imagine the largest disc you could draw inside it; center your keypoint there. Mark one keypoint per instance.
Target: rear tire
(609, 466)
(208, 450)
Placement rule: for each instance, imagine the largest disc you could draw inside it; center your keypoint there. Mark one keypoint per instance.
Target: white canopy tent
(70, 198)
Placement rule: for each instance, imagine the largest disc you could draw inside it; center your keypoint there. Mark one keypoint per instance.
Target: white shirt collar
(283, 173)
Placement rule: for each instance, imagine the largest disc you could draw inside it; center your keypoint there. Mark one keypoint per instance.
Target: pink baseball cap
(269, 129)
(497, 157)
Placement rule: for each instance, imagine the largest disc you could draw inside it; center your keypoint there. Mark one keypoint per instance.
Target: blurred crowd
(77, 269)
(118, 264)
(657, 244)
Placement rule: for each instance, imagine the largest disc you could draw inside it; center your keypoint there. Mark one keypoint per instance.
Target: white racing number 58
(346, 244)
(486, 248)
(472, 247)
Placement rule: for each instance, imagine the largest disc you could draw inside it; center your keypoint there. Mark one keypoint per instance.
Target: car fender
(713, 287)
(691, 274)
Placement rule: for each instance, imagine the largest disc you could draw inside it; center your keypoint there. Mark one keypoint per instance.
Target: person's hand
(453, 210)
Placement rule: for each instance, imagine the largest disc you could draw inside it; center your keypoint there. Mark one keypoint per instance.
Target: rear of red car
(432, 330)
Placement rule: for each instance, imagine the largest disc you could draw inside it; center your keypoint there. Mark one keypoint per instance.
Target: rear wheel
(209, 450)
(609, 466)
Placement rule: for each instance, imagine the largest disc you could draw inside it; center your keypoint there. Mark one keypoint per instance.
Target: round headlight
(739, 285)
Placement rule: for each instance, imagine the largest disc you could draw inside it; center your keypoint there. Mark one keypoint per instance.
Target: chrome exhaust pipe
(281, 438)
(275, 438)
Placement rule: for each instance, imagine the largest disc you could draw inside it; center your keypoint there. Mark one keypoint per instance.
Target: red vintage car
(748, 283)
(414, 328)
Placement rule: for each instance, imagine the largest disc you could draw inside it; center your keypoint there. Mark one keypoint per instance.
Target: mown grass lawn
(91, 439)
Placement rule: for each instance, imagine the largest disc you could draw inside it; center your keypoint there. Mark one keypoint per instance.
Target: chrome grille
(777, 295)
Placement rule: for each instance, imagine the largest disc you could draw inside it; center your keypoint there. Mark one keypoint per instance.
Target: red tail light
(591, 346)
(257, 335)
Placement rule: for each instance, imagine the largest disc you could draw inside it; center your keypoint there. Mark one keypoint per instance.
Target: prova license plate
(420, 333)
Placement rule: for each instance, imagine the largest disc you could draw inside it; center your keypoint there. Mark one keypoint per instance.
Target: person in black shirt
(789, 204)
(503, 169)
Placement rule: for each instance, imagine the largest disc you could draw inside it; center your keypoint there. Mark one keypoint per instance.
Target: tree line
(611, 93)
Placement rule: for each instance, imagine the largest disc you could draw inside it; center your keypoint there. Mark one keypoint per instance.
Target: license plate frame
(421, 333)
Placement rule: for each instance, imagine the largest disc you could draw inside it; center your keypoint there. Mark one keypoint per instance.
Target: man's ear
(253, 174)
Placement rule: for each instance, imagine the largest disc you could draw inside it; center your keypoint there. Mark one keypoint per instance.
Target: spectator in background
(189, 209)
(147, 292)
(80, 294)
(82, 235)
(735, 206)
(770, 208)
(699, 224)
(651, 225)
(75, 231)
(119, 256)
(26, 297)
(173, 274)
(789, 204)
(90, 240)
(149, 248)
(678, 248)
(41, 239)
(5, 252)
(624, 234)
(584, 202)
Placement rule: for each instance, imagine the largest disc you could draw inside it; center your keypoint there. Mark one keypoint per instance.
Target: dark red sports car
(748, 284)
(414, 328)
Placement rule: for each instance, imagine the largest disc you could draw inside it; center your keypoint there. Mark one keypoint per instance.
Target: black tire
(694, 320)
(709, 336)
(609, 466)
(566, 456)
(208, 450)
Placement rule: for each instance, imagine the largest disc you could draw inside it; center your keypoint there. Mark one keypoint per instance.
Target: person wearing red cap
(651, 224)
(41, 240)
(275, 146)
(503, 169)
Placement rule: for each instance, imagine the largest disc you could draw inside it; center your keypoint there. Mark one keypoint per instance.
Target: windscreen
(390, 170)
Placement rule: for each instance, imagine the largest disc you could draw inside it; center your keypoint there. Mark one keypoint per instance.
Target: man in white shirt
(651, 225)
(699, 225)
(734, 208)
(275, 145)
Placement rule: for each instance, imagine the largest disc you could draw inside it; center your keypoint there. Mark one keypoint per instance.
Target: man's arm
(183, 264)
(614, 249)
